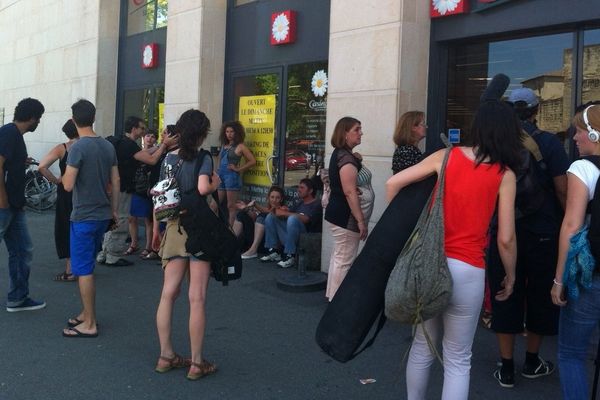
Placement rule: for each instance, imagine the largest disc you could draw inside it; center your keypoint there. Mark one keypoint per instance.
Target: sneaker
(289, 261)
(27, 305)
(272, 256)
(506, 380)
(543, 368)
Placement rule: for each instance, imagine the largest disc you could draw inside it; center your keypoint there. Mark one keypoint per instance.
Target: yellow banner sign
(257, 114)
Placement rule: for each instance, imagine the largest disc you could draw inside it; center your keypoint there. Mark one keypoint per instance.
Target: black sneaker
(543, 368)
(506, 379)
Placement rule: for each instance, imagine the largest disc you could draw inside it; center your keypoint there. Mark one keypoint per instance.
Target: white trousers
(459, 323)
(345, 248)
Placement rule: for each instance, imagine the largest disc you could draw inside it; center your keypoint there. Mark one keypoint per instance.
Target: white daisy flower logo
(280, 28)
(444, 6)
(319, 83)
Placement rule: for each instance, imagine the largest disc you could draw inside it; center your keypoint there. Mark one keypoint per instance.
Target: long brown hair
(403, 134)
(338, 139)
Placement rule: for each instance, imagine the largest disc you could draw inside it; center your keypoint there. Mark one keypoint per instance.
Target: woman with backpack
(193, 127)
(580, 315)
(468, 210)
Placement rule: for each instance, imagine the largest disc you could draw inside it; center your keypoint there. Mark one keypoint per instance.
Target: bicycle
(40, 193)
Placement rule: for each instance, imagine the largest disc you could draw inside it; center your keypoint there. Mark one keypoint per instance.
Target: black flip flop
(77, 322)
(79, 334)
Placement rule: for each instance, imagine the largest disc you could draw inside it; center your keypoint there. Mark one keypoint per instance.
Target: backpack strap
(198, 163)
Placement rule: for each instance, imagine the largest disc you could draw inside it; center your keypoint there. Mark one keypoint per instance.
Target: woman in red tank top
(477, 179)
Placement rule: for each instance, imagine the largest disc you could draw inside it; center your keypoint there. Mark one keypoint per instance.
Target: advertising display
(257, 115)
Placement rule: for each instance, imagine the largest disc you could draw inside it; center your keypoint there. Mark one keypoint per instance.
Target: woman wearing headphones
(579, 316)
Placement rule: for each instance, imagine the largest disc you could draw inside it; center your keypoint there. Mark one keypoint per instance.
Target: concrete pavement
(261, 338)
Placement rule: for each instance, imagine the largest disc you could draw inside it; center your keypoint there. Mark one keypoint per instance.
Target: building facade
(289, 69)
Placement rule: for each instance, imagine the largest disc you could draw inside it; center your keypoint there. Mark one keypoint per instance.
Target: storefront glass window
(306, 111)
(590, 90)
(542, 63)
(146, 15)
(255, 106)
(145, 103)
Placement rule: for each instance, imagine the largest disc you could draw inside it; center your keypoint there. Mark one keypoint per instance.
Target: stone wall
(378, 65)
(58, 51)
(195, 60)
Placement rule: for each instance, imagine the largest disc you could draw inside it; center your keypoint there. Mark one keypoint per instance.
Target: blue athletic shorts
(86, 241)
(140, 206)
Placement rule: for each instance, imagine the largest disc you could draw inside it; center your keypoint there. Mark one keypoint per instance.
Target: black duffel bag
(208, 232)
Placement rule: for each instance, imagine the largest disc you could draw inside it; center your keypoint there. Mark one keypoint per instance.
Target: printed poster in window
(257, 115)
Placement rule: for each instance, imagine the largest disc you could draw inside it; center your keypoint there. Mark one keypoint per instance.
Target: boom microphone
(496, 88)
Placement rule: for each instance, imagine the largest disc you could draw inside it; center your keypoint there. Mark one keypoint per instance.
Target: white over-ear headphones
(593, 134)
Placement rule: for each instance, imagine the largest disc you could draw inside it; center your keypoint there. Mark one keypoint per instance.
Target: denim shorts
(230, 180)
(86, 241)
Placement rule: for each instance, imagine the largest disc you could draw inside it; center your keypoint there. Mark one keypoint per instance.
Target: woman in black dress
(411, 129)
(63, 199)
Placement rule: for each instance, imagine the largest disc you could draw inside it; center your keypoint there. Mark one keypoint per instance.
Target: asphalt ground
(261, 338)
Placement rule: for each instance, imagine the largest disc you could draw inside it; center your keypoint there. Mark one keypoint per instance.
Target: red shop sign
(443, 8)
(283, 27)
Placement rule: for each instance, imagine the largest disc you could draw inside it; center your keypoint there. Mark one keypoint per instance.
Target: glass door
(256, 105)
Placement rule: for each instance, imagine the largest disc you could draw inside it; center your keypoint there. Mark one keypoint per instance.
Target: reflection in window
(306, 110)
(541, 63)
(144, 103)
(590, 90)
(146, 15)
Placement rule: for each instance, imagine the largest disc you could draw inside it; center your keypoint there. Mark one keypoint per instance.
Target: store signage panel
(283, 27)
(150, 55)
(444, 8)
(257, 115)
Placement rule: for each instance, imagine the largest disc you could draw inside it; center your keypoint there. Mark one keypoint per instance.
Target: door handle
(270, 166)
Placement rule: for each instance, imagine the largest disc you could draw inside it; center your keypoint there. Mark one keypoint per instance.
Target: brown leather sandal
(174, 362)
(204, 368)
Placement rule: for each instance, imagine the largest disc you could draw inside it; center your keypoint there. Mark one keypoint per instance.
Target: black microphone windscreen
(496, 88)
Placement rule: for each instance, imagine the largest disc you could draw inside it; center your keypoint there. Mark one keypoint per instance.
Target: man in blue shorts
(93, 176)
(13, 226)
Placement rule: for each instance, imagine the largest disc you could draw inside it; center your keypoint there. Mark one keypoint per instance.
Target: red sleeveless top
(470, 195)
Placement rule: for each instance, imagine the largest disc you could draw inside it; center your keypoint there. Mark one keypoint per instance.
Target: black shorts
(530, 306)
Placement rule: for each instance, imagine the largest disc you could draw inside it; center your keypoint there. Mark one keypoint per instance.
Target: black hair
(309, 184)
(132, 122)
(239, 133)
(84, 113)
(70, 129)
(27, 109)
(496, 135)
(193, 127)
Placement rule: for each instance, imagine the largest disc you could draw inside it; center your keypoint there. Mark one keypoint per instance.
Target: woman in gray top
(192, 127)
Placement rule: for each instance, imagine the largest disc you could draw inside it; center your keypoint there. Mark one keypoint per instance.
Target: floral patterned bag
(166, 196)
